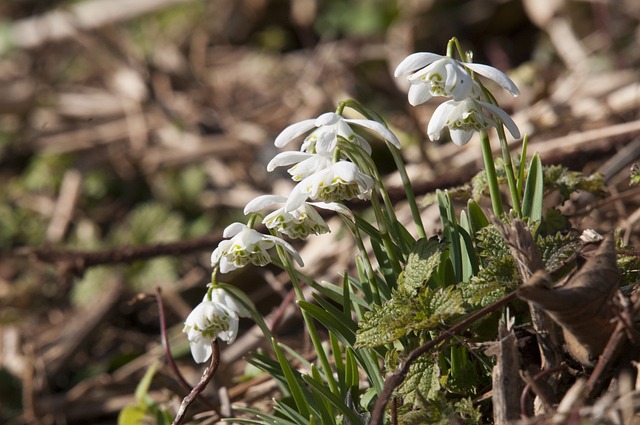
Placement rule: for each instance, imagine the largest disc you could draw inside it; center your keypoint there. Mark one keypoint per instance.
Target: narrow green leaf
(332, 318)
(324, 407)
(534, 190)
(143, 387)
(523, 163)
(322, 390)
(450, 232)
(470, 264)
(351, 373)
(292, 381)
(477, 218)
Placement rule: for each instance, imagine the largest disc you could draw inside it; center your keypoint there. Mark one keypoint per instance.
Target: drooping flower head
(247, 246)
(465, 117)
(339, 182)
(435, 75)
(326, 130)
(297, 224)
(215, 317)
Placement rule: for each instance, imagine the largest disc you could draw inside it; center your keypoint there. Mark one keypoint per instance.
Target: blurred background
(132, 133)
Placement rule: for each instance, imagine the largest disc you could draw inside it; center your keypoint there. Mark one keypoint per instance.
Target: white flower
(438, 75)
(328, 127)
(465, 117)
(213, 318)
(339, 182)
(306, 163)
(247, 246)
(298, 223)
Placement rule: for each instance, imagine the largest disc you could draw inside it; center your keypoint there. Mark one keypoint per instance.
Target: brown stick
(204, 381)
(77, 262)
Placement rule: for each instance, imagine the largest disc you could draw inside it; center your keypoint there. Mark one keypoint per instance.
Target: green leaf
(132, 415)
(477, 218)
(422, 380)
(534, 190)
(450, 232)
(322, 390)
(332, 319)
(635, 174)
(421, 264)
(143, 387)
(404, 314)
(292, 381)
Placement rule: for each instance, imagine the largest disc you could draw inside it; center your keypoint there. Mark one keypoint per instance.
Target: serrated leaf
(422, 380)
(492, 282)
(557, 249)
(421, 264)
(404, 314)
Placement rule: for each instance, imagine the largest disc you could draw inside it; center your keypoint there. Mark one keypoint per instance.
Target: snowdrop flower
(328, 127)
(465, 117)
(339, 182)
(438, 75)
(247, 246)
(298, 223)
(213, 318)
(306, 163)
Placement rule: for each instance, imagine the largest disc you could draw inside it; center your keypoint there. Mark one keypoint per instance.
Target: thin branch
(393, 381)
(207, 375)
(76, 262)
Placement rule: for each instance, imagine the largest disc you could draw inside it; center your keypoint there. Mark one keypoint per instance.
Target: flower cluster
(326, 174)
(469, 110)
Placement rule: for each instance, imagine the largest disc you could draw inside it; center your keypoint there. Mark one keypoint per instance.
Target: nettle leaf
(558, 249)
(490, 244)
(492, 282)
(387, 322)
(422, 381)
(421, 264)
(404, 314)
(567, 182)
(630, 269)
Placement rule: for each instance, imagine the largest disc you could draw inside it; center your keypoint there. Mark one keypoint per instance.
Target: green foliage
(150, 223)
(557, 177)
(422, 262)
(558, 249)
(422, 381)
(533, 191)
(145, 409)
(441, 412)
(404, 314)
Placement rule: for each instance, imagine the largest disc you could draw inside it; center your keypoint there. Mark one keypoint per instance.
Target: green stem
(508, 167)
(367, 261)
(313, 332)
(490, 170)
(411, 198)
(390, 248)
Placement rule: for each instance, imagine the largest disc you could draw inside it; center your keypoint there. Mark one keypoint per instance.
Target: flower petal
(334, 206)
(233, 229)
(293, 131)
(415, 61)
(506, 119)
(460, 137)
(496, 75)
(286, 158)
(439, 119)
(262, 202)
(418, 93)
(328, 118)
(288, 247)
(379, 128)
(201, 350)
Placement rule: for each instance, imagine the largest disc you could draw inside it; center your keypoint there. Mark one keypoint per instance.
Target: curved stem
(411, 198)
